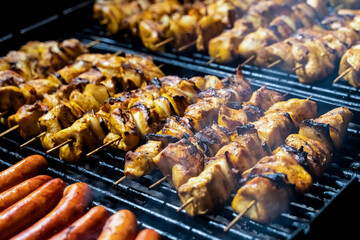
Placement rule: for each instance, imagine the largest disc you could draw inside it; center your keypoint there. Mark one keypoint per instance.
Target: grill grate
(157, 208)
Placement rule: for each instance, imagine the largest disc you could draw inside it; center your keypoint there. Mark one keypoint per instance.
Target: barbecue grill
(157, 208)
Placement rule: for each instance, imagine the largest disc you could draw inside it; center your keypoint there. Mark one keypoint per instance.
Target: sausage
(120, 226)
(30, 209)
(148, 234)
(21, 171)
(76, 199)
(87, 227)
(18, 192)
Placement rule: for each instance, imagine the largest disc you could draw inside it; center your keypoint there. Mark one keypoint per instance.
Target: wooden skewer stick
(161, 65)
(309, 97)
(158, 182)
(274, 63)
(3, 113)
(32, 140)
(166, 41)
(102, 146)
(247, 60)
(210, 61)
(93, 43)
(9, 130)
(285, 94)
(117, 53)
(58, 146)
(342, 75)
(186, 46)
(239, 216)
(190, 200)
(120, 180)
(298, 67)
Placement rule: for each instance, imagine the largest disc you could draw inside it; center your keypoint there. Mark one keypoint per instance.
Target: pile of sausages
(34, 206)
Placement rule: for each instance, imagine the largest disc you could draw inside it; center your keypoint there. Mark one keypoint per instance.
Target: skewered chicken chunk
(271, 195)
(60, 117)
(86, 134)
(311, 154)
(217, 175)
(329, 128)
(351, 60)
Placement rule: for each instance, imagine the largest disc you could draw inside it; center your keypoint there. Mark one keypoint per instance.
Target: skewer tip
(120, 180)
(9, 130)
(343, 74)
(239, 216)
(190, 200)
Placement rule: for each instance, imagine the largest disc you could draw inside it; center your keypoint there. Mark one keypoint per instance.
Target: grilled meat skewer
(269, 182)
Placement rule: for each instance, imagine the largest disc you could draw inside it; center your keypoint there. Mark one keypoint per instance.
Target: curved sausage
(21, 171)
(77, 198)
(30, 209)
(120, 226)
(18, 192)
(87, 227)
(148, 234)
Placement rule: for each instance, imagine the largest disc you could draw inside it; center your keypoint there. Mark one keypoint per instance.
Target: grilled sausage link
(87, 227)
(18, 192)
(30, 209)
(148, 234)
(76, 199)
(120, 226)
(25, 169)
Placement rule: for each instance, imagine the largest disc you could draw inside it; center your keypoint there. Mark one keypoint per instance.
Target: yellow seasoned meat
(207, 28)
(244, 152)
(299, 109)
(180, 161)
(283, 164)
(60, 117)
(270, 199)
(209, 190)
(273, 128)
(351, 60)
(26, 117)
(138, 163)
(311, 154)
(329, 129)
(12, 97)
(86, 134)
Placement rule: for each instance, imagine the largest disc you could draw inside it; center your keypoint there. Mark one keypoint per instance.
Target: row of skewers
(36, 206)
(281, 33)
(201, 133)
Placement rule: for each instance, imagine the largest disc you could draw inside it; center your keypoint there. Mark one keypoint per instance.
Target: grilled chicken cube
(218, 178)
(299, 109)
(234, 118)
(180, 161)
(207, 28)
(264, 98)
(271, 198)
(86, 134)
(245, 150)
(12, 97)
(311, 154)
(223, 48)
(273, 128)
(92, 98)
(26, 117)
(59, 117)
(204, 112)
(10, 78)
(351, 60)
(122, 124)
(329, 129)
(137, 162)
(283, 164)
(211, 139)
